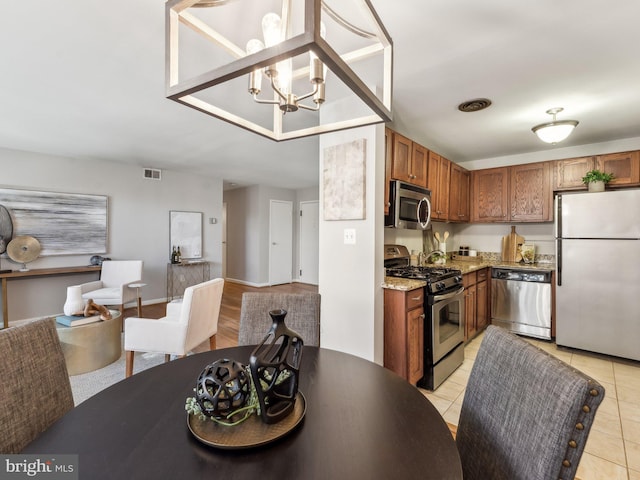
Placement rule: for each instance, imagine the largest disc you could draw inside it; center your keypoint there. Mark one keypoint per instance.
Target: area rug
(88, 384)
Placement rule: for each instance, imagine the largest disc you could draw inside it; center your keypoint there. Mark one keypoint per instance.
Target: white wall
(243, 234)
(248, 230)
(556, 153)
(138, 224)
(351, 276)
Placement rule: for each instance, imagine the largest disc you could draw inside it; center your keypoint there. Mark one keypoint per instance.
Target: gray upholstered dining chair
(303, 315)
(525, 414)
(35, 390)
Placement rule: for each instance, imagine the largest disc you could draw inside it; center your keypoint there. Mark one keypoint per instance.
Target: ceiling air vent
(474, 105)
(152, 173)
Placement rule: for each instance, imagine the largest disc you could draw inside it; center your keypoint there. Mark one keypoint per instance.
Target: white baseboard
(243, 282)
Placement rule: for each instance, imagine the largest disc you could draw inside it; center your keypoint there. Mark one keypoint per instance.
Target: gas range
(439, 279)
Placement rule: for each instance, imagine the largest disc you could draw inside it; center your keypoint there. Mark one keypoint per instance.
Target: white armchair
(113, 286)
(187, 325)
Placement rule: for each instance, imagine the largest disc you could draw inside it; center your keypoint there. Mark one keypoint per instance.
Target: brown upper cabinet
(531, 196)
(568, 173)
(459, 188)
(409, 161)
(438, 183)
(521, 193)
(490, 193)
(624, 166)
(517, 193)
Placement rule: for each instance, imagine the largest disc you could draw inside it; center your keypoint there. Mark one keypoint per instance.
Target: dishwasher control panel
(521, 275)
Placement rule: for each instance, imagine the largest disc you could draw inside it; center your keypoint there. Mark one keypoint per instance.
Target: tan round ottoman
(89, 347)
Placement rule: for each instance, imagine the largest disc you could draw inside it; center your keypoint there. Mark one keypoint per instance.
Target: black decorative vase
(275, 367)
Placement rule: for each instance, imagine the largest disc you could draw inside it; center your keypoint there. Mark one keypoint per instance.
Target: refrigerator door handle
(558, 216)
(559, 261)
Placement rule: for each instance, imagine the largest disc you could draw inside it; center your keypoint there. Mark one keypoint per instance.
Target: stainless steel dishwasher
(521, 301)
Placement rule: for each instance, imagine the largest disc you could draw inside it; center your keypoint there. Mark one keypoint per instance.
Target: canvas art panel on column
(343, 181)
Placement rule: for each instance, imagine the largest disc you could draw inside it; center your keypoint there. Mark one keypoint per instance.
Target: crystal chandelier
(310, 52)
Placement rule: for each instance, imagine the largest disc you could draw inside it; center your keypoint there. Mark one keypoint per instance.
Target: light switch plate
(349, 236)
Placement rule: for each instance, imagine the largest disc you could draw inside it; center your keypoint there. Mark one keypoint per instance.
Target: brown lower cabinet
(404, 333)
(476, 302)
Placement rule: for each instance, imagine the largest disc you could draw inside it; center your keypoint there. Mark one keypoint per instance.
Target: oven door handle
(437, 298)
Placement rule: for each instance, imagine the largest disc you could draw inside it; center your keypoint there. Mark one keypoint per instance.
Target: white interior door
(280, 242)
(309, 238)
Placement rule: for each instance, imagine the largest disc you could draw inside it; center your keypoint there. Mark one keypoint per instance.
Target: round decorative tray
(252, 432)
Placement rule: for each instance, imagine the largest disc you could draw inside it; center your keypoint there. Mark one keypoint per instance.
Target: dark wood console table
(38, 272)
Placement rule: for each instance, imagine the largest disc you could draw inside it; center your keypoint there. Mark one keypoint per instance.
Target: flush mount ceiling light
(312, 66)
(554, 131)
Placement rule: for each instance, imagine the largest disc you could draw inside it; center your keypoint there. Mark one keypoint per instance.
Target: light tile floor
(613, 448)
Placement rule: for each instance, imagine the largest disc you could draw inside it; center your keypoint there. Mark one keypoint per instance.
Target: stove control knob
(440, 286)
(459, 279)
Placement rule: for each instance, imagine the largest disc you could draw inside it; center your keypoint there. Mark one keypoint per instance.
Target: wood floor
(230, 309)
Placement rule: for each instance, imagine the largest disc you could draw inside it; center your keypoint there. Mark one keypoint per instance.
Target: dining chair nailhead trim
(594, 393)
(586, 409)
(566, 463)
(573, 443)
(579, 426)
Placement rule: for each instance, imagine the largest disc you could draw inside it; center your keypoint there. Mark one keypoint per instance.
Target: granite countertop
(468, 266)
(406, 284)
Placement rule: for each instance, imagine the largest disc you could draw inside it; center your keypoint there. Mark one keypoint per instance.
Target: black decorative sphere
(223, 387)
(96, 260)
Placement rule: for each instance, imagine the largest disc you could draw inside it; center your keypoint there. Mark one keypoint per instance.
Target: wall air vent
(152, 173)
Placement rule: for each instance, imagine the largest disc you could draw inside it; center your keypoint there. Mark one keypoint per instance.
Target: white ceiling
(85, 79)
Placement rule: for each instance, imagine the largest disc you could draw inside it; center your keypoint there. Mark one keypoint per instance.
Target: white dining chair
(186, 325)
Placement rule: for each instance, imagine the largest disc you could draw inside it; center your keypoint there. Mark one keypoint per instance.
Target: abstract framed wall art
(63, 223)
(185, 231)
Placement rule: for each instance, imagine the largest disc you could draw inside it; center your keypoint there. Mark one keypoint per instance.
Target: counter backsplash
(496, 256)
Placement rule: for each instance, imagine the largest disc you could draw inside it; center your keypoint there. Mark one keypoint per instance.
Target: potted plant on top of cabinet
(595, 180)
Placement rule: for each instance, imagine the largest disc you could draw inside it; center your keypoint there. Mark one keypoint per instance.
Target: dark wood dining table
(362, 421)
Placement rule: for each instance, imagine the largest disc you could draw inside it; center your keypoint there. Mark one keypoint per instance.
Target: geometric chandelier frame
(357, 51)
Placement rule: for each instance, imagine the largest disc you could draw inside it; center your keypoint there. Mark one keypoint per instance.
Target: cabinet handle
(417, 298)
(423, 316)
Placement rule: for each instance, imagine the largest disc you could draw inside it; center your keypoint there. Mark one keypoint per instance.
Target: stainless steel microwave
(409, 206)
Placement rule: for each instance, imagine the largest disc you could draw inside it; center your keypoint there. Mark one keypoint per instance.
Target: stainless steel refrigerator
(598, 272)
